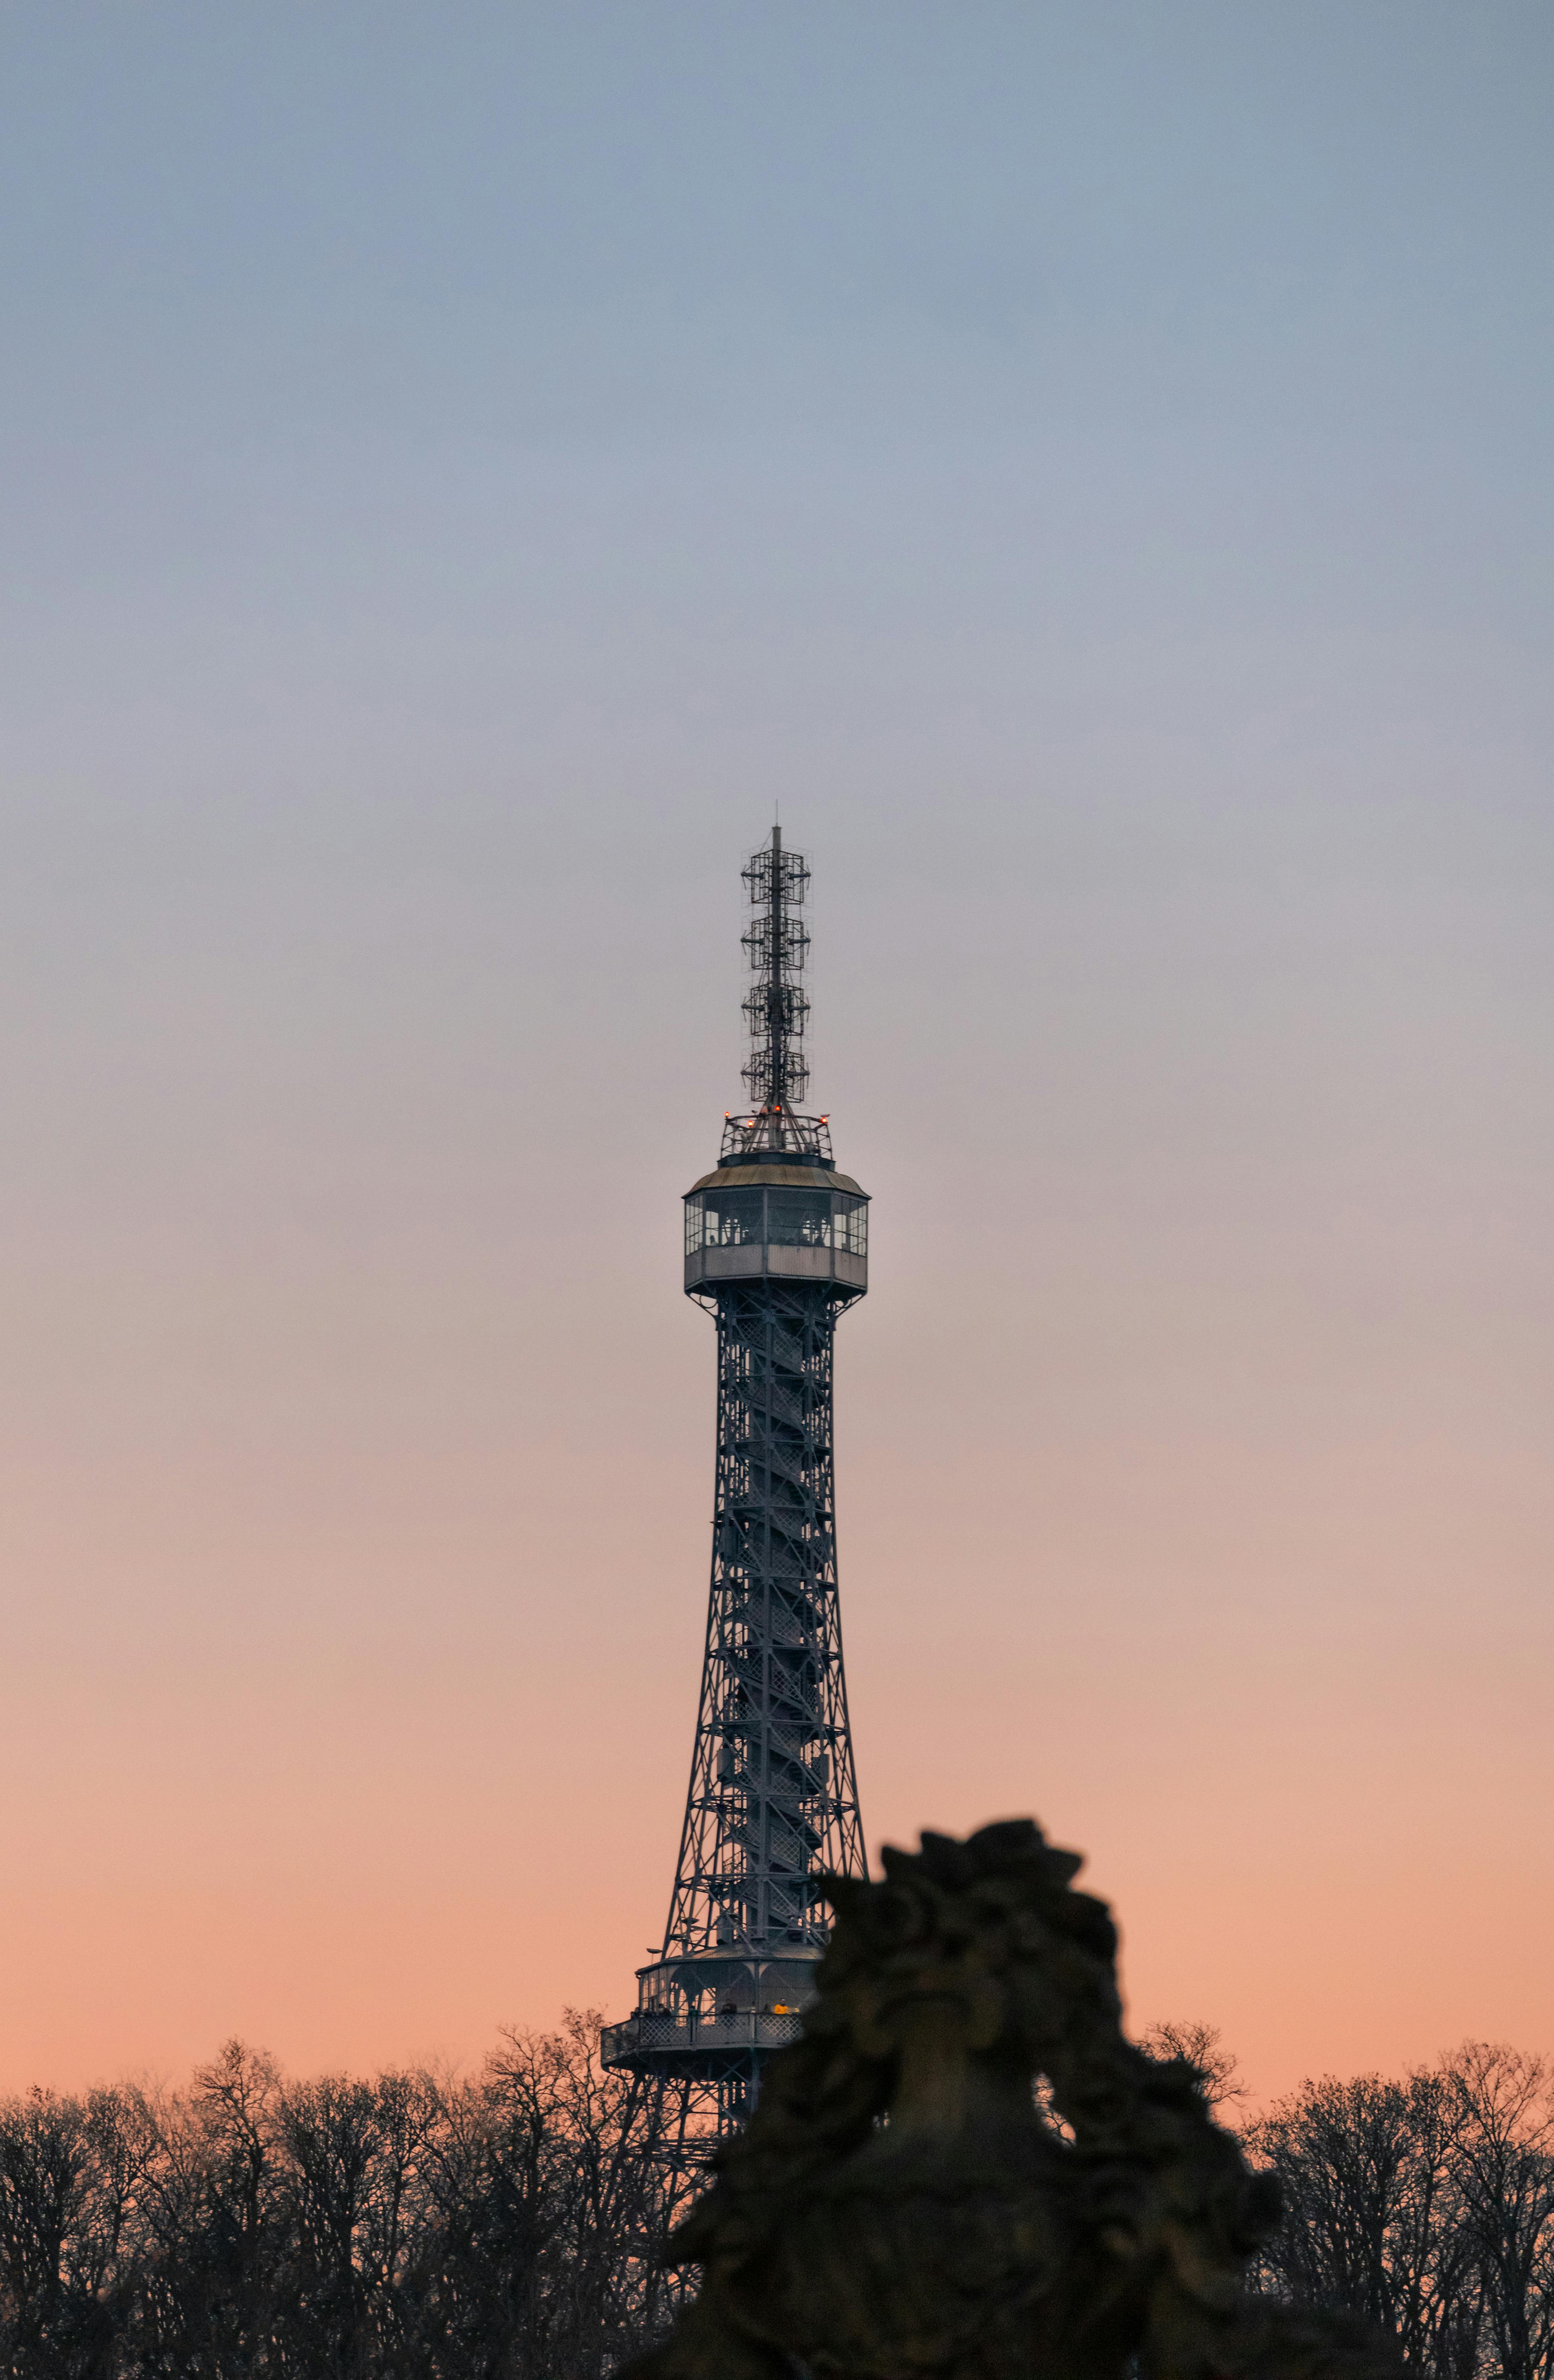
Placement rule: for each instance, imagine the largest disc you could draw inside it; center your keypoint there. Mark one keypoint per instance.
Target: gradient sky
(462, 465)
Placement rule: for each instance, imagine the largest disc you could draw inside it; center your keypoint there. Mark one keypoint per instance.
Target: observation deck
(701, 2013)
(788, 1217)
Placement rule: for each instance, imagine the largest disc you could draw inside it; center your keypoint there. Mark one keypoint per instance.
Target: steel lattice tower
(776, 1249)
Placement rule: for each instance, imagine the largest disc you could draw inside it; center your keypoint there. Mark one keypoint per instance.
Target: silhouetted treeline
(505, 2228)
(498, 2228)
(1428, 2205)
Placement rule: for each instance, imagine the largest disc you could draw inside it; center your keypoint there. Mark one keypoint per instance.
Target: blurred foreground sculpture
(964, 2169)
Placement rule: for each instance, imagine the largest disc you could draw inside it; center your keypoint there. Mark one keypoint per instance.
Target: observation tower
(776, 1251)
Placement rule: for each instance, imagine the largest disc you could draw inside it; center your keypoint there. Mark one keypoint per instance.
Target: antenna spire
(776, 1006)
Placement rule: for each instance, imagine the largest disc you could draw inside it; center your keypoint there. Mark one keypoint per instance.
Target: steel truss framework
(774, 1794)
(773, 1798)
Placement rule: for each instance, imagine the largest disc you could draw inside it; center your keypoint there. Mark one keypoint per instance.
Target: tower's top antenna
(776, 1006)
(776, 1010)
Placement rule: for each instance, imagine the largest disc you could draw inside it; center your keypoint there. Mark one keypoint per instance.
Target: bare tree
(595, 2177)
(506, 2226)
(1428, 2205)
(1503, 2150)
(65, 2179)
(1199, 2046)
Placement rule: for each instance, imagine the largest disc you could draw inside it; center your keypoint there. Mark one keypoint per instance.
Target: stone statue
(964, 2171)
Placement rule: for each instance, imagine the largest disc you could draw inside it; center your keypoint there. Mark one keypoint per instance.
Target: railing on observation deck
(775, 1133)
(738, 2029)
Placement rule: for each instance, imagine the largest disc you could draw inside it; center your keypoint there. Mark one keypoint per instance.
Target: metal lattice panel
(774, 1794)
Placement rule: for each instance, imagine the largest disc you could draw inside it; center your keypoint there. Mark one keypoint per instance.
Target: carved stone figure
(964, 2169)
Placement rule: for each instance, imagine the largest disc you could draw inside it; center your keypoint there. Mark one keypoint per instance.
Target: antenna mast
(776, 1011)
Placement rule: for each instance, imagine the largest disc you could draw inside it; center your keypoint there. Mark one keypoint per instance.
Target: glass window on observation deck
(798, 1219)
(852, 1227)
(726, 1219)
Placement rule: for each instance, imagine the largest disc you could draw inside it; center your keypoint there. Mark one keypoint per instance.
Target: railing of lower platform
(738, 2029)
